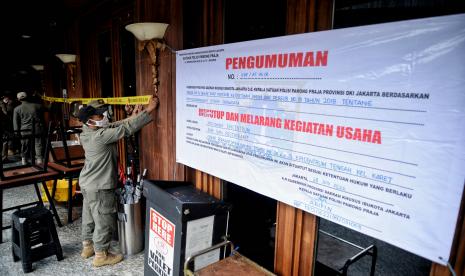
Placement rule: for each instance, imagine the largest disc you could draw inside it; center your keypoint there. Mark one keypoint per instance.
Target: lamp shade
(66, 58)
(38, 67)
(148, 30)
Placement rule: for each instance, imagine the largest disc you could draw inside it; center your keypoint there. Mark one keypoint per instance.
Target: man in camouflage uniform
(98, 177)
(23, 117)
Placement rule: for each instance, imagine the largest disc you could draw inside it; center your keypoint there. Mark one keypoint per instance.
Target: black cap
(86, 112)
(99, 103)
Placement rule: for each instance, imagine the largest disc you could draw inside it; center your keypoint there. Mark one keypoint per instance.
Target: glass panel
(248, 20)
(350, 13)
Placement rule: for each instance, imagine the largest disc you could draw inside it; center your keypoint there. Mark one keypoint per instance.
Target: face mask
(102, 123)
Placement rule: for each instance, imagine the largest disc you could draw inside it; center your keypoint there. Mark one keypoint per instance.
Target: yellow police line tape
(116, 100)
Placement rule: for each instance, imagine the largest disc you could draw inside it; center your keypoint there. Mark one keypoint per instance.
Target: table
(70, 173)
(50, 174)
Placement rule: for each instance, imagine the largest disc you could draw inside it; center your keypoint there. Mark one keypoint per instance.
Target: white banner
(361, 126)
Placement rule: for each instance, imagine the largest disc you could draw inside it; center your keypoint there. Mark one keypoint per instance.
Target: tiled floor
(70, 240)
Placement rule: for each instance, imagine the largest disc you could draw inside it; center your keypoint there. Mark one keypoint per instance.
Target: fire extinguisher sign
(161, 244)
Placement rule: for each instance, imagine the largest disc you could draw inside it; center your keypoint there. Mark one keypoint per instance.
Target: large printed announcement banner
(362, 126)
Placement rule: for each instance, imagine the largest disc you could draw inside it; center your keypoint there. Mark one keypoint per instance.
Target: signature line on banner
(334, 215)
(308, 144)
(340, 105)
(320, 114)
(341, 191)
(375, 180)
(297, 161)
(410, 176)
(280, 78)
(322, 157)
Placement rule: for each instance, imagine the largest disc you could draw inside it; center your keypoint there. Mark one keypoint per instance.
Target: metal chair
(29, 169)
(67, 159)
(335, 255)
(61, 151)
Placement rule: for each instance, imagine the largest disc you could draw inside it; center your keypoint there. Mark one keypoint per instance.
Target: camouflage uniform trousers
(99, 217)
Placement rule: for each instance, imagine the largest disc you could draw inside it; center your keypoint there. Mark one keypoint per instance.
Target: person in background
(98, 177)
(24, 115)
(7, 107)
(4, 125)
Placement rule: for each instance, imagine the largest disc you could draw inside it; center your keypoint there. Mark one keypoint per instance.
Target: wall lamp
(38, 67)
(150, 36)
(69, 60)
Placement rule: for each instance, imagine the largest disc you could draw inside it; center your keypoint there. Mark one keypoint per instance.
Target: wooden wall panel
(308, 16)
(174, 39)
(117, 78)
(49, 76)
(89, 54)
(295, 239)
(301, 16)
(324, 15)
(157, 141)
(212, 17)
(296, 230)
(208, 184)
(74, 82)
(163, 124)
